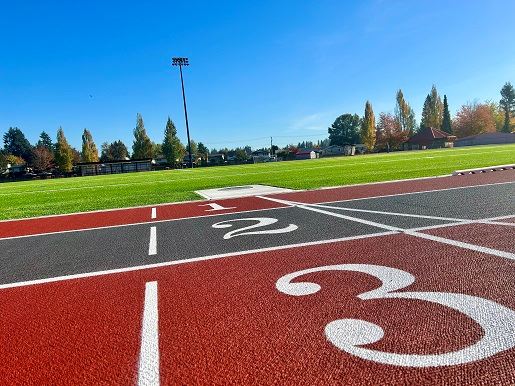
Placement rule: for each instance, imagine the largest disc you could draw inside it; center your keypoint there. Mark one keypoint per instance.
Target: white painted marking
(185, 261)
(138, 223)
(153, 213)
(148, 371)
(497, 321)
(261, 222)
(461, 244)
(411, 232)
(214, 207)
(390, 213)
(152, 245)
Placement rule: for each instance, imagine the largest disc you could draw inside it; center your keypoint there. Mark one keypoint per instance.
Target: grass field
(67, 195)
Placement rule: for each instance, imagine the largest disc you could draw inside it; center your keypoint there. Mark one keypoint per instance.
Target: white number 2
(261, 222)
(497, 321)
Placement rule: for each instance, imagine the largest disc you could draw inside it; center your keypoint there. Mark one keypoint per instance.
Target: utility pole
(271, 147)
(184, 62)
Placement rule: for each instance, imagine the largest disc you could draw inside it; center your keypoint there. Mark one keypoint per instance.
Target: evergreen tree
(142, 146)
(368, 127)
(345, 129)
(171, 144)
(446, 121)
(404, 115)
(507, 103)
(432, 112)
(63, 153)
(202, 150)
(45, 141)
(89, 149)
(16, 144)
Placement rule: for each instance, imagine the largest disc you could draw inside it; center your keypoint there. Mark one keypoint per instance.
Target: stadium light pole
(184, 62)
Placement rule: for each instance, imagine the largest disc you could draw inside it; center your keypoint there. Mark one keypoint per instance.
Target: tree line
(391, 130)
(388, 132)
(46, 155)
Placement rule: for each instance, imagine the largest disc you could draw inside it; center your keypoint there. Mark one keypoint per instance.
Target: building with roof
(430, 138)
(307, 154)
(486, 139)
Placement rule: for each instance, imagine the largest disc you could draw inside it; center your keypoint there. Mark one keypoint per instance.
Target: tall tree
(202, 151)
(45, 141)
(142, 146)
(16, 144)
(171, 144)
(446, 121)
(472, 119)
(507, 103)
(63, 153)
(432, 112)
(345, 129)
(404, 114)
(89, 149)
(368, 127)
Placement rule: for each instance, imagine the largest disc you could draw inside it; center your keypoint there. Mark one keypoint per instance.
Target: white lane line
(461, 244)
(153, 214)
(152, 245)
(192, 260)
(412, 232)
(389, 213)
(148, 369)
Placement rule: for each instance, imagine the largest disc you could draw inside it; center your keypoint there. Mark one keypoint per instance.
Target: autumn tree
(507, 103)
(42, 158)
(472, 119)
(497, 113)
(345, 129)
(404, 114)
(142, 146)
(389, 135)
(368, 127)
(432, 112)
(63, 153)
(89, 149)
(446, 120)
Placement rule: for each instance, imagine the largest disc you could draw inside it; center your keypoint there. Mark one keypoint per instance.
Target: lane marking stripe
(148, 370)
(153, 214)
(491, 251)
(152, 245)
(184, 261)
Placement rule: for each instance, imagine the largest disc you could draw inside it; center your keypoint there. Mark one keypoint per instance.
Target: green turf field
(66, 195)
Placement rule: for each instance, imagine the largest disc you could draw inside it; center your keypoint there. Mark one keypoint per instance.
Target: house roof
(429, 134)
(122, 161)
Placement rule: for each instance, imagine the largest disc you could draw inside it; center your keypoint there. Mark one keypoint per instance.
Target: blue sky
(258, 68)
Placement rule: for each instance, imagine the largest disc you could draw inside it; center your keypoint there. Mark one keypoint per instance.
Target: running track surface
(394, 283)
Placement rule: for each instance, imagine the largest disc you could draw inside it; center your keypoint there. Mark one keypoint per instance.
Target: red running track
(116, 217)
(224, 321)
(397, 187)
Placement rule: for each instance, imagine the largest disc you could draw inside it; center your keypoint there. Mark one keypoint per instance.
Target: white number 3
(497, 321)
